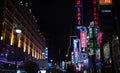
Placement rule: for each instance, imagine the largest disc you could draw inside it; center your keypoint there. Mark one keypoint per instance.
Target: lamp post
(17, 31)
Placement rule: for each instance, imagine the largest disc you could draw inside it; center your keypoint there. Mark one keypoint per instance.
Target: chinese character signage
(83, 38)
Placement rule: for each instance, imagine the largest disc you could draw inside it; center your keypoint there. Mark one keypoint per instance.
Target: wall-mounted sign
(83, 56)
(105, 2)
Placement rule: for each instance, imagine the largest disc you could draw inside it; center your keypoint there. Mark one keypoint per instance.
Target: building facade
(31, 43)
(109, 20)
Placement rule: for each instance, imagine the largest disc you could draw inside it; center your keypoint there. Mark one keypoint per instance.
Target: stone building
(29, 44)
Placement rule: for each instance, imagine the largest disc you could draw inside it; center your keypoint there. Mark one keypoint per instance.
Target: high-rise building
(28, 45)
(109, 21)
(106, 15)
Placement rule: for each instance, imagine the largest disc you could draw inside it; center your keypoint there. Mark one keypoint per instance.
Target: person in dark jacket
(31, 67)
(70, 68)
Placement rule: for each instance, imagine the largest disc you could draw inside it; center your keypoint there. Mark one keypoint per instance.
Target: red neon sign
(95, 15)
(99, 38)
(78, 2)
(79, 16)
(83, 38)
(94, 2)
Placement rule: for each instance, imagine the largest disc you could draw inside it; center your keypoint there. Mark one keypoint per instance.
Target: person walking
(31, 67)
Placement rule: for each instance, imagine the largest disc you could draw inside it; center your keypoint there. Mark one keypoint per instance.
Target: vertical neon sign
(83, 36)
(78, 6)
(76, 50)
(99, 38)
(83, 42)
(95, 15)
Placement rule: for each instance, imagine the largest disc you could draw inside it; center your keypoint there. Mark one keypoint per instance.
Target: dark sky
(56, 19)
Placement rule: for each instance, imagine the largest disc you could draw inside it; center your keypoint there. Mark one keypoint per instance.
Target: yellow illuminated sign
(101, 2)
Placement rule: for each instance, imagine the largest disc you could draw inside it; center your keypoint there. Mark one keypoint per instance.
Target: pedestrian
(31, 67)
(70, 68)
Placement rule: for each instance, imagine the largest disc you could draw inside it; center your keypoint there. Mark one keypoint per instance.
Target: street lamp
(17, 31)
(51, 60)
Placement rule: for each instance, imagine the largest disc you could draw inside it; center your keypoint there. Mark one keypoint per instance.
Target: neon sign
(99, 38)
(105, 2)
(76, 50)
(79, 16)
(83, 38)
(78, 6)
(95, 15)
(78, 2)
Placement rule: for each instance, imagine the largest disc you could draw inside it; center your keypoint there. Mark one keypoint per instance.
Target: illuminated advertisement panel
(95, 32)
(78, 2)
(72, 58)
(99, 38)
(83, 42)
(105, 2)
(106, 49)
(46, 53)
(76, 50)
(90, 33)
(91, 52)
(83, 39)
(63, 65)
(78, 16)
(98, 54)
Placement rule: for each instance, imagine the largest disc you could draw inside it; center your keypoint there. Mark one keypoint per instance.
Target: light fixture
(18, 30)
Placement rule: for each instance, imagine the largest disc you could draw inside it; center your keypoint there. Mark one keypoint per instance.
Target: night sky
(56, 20)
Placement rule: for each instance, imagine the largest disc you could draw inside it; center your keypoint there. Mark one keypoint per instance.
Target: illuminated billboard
(83, 38)
(99, 39)
(91, 52)
(79, 12)
(78, 2)
(98, 56)
(106, 50)
(76, 50)
(105, 2)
